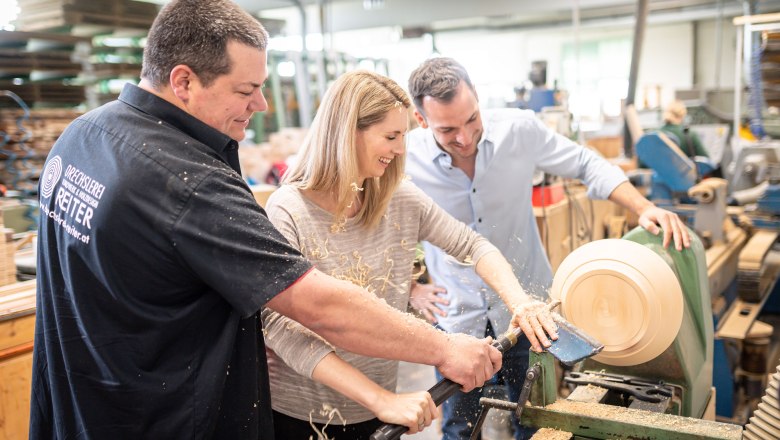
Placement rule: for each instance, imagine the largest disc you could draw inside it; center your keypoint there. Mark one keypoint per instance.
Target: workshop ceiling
(442, 15)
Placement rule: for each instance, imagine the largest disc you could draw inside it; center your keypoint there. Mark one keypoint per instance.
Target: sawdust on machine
(551, 434)
(638, 417)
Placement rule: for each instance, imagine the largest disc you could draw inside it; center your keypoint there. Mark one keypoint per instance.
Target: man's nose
(258, 102)
(463, 138)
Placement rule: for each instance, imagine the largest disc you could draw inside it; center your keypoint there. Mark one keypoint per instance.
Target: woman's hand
(425, 297)
(413, 410)
(535, 320)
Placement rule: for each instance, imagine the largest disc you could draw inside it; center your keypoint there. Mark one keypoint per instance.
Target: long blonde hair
(328, 157)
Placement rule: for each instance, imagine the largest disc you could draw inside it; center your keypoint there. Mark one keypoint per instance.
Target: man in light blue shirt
(478, 165)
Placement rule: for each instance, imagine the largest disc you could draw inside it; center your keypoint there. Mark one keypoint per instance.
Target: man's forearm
(353, 319)
(630, 198)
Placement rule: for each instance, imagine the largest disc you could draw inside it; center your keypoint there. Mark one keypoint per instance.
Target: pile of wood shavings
(551, 434)
(645, 418)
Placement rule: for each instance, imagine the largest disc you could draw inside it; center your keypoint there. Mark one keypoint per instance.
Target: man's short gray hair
(437, 78)
(196, 33)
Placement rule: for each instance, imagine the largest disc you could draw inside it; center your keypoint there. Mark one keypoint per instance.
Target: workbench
(17, 329)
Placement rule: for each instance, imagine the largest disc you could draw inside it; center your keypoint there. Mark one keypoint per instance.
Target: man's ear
(181, 81)
(420, 119)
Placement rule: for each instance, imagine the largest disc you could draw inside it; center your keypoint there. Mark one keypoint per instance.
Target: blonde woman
(347, 207)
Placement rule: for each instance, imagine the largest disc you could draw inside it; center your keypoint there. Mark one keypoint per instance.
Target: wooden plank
(722, 260)
(15, 288)
(17, 332)
(18, 303)
(752, 255)
(739, 319)
(15, 388)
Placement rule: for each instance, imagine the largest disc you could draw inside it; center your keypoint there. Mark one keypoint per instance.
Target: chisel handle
(444, 389)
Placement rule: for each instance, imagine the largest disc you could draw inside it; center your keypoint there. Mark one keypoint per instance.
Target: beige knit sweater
(380, 260)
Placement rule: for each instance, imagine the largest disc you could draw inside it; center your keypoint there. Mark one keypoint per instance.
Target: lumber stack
(29, 138)
(65, 15)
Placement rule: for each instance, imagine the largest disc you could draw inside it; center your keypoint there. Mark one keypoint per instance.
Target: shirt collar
(487, 128)
(159, 108)
(432, 152)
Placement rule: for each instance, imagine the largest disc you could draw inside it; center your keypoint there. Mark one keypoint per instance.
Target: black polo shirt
(153, 261)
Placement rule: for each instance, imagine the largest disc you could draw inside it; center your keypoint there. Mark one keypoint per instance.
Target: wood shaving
(551, 434)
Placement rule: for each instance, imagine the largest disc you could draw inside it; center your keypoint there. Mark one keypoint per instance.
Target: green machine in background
(650, 307)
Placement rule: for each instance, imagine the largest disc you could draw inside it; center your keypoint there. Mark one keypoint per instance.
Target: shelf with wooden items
(757, 73)
(26, 137)
(115, 30)
(63, 60)
(38, 71)
(84, 17)
(42, 68)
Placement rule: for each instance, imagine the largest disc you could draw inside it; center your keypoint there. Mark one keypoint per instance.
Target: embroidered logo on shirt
(51, 176)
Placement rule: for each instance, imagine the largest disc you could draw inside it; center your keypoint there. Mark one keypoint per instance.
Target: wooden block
(739, 319)
(15, 333)
(15, 395)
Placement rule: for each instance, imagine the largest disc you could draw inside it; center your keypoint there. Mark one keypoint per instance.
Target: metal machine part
(711, 210)
(591, 420)
(531, 375)
(750, 166)
(636, 392)
(445, 388)
(572, 346)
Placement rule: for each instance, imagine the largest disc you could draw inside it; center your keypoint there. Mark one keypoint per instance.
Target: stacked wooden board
(69, 15)
(28, 140)
(770, 68)
(41, 69)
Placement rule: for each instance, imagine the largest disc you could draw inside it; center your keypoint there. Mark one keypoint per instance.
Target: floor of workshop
(415, 377)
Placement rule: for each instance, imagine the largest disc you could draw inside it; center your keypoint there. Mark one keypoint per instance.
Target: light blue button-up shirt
(497, 204)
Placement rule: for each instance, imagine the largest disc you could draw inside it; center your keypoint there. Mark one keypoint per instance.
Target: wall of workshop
(707, 54)
(498, 61)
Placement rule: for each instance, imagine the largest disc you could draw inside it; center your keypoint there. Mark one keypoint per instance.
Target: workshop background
(598, 71)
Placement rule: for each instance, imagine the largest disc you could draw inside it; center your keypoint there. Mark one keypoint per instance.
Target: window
(600, 82)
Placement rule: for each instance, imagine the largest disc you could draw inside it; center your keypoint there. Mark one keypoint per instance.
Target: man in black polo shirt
(154, 257)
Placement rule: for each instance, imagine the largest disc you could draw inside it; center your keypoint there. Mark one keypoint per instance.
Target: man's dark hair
(437, 78)
(196, 33)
